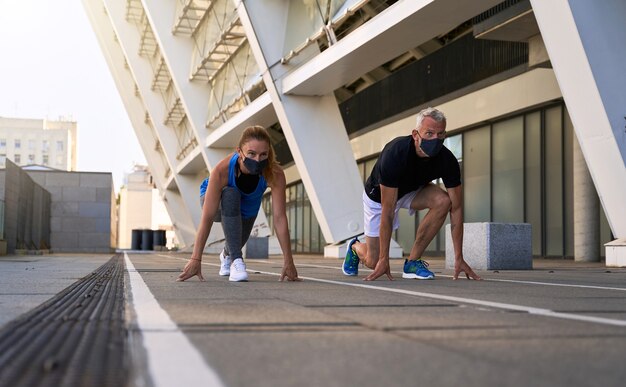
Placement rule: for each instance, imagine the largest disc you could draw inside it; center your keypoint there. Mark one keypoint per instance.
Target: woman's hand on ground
(192, 268)
(289, 271)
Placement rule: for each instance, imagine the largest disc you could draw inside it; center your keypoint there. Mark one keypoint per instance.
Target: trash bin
(146, 239)
(159, 241)
(136, 240)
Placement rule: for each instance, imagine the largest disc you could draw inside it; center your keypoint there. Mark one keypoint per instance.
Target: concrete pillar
(585, 42)
(313, 126)
(586, 211)
(177, 52)
(118, 53)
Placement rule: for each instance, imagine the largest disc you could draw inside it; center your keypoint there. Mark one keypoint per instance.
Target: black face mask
(253, 166)
(431, 147)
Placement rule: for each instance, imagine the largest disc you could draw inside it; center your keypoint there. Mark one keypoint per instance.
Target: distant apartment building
(44, 142)
(141, 207)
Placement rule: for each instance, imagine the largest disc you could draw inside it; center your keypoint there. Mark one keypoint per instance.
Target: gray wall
(27, 209)
(82, 213)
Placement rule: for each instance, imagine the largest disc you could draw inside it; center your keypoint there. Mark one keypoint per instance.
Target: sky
(51, 66)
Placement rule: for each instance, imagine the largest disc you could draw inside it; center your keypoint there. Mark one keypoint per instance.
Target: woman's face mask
(253, 166)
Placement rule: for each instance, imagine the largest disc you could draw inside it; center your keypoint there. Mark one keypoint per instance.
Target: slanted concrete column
(313, 126)
(129, 40)
(586, 211)
(585, 43)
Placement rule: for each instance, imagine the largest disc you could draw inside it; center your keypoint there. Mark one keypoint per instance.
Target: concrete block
(493, 246)
(56, 224)
(104, 195)
(56, 193)
(93, 240)
(79, 194)
(62, 179)
(94, 210)
(256, 247)
(63, 209)
(63, 240)
(103, 225)
(97, 180)
(616, 253)
(75, 224)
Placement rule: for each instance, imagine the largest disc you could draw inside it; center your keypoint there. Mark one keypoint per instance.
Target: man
(402, 178)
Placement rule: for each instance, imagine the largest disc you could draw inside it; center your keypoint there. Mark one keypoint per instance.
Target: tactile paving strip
(77, 338)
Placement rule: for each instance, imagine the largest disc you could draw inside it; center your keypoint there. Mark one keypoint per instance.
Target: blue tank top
(250, 203)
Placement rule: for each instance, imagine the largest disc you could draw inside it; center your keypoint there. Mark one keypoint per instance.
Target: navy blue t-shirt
(398, 166)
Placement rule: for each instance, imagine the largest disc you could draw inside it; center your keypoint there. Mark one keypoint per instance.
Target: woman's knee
(231, 202)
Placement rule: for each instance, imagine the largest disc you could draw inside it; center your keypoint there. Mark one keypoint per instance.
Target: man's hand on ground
(382, 267)
(462, 266)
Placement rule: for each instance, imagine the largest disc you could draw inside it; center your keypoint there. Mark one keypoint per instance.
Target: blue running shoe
(417, 269)
(351, 263)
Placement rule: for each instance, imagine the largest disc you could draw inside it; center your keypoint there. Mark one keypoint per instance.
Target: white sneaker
(225, 262)
(238, 271)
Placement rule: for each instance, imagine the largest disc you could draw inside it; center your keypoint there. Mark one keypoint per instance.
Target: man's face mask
(253, 166)
(431, 147)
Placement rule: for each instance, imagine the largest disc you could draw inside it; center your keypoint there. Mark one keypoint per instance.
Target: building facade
(141, 207)
(531, 91)
(39, 142)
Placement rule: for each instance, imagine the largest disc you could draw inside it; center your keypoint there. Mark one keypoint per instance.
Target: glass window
(31, 159)
(299, 217)
(455, 144)
(45, 146)
(532, 189)
(3, 159)
(306, 222)
(17, 158)
(303, 21)
(3, 143)
(31, 144)
(18, 143)
(369, 165)
(476, 179)
(554, 182)
(60, 161)
(59, 146)
(45, 160)
(568, 185)
(508, 171)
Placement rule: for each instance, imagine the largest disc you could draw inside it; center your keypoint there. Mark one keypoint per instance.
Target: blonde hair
(259, 133)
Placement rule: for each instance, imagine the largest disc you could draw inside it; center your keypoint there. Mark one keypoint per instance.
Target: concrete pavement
(561, 324)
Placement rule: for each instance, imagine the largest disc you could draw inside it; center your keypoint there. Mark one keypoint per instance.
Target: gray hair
(431, 112)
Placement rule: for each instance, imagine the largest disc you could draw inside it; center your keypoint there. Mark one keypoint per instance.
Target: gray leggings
(236, 228)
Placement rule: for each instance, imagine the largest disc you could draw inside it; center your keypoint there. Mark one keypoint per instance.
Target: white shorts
(373, 210)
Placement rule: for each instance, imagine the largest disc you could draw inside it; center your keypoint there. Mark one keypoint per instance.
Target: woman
(235, 189)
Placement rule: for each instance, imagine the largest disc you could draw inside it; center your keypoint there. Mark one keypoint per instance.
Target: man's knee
(442, 202)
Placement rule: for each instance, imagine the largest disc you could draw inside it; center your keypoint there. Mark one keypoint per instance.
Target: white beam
(135, 108)
(177, 52)
(585, 42)
(313, 127)
(400, 28)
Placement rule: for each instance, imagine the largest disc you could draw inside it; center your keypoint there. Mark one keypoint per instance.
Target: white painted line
(172, 359)
(460, 300)
(485, 279)
(557, 284)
